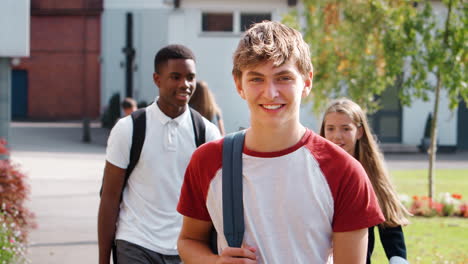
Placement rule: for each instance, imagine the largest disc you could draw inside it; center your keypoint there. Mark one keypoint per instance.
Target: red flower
(457, 196)
(3, 149)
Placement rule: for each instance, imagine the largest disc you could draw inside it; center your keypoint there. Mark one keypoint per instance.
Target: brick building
(61, 78)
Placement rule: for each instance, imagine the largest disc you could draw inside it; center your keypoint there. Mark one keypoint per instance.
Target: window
(247, 19)
(230, 22)
(217, 22)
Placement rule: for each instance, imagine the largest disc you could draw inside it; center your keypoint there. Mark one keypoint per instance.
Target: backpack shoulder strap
(138, 138)
(198, 127)
(233, 206)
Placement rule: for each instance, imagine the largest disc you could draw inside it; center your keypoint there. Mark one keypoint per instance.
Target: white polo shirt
(148, 215)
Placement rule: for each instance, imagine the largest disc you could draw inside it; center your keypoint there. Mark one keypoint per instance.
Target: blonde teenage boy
(305, 199)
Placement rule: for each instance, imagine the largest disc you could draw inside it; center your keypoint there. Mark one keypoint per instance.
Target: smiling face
(273, 94)
(341, 130)
(176, 82)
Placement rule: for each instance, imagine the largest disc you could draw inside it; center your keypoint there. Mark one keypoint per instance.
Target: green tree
(360, 48)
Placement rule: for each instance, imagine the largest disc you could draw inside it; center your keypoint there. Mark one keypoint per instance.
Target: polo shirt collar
(164, 119)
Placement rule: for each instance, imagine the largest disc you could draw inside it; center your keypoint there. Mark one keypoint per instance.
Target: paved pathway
(65, 175)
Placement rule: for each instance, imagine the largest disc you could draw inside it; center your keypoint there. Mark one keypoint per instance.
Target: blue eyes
(256, 80)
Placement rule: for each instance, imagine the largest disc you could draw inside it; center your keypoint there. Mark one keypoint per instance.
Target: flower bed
(15, 219)
(445, 204)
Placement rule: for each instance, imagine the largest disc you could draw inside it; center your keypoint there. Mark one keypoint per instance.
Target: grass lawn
(432, 240)
(415, 182)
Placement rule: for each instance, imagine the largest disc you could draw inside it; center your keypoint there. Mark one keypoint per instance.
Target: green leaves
(359, 48)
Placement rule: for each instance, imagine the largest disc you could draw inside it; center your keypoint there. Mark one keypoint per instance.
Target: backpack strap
(138, 138)
(233, 206)
(198, 127)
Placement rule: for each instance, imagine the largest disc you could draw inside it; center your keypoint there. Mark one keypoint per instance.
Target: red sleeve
(355, 203)
(204, 164)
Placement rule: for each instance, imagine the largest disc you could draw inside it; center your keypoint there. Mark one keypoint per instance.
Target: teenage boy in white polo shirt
(145, 223)
(305, 199)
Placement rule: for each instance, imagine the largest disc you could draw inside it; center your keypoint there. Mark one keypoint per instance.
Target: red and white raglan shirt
(294, 199)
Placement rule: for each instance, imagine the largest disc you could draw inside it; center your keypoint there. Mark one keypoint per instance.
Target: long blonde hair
(368, 153)
(203, 101)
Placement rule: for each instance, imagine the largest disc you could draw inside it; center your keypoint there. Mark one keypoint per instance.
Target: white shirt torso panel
(293, 199)
(298, 220)
(148, 215)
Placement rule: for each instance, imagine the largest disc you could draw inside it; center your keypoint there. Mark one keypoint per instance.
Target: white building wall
(112, 41)
(214, 53)
(150, 33)
(414, 121)
(136, 4)
(414, 117)
(157, 23)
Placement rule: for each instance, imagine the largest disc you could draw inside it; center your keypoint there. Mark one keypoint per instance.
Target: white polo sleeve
(119, 143)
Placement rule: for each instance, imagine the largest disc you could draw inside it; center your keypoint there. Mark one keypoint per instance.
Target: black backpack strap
(233, 206)
(198, 127)
(138, 138)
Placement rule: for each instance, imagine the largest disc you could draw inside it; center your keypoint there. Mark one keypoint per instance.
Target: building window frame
(236, 21)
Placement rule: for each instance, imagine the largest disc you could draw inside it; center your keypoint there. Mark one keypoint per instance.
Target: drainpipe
(5, 100)
(84, 89)
(129, 52)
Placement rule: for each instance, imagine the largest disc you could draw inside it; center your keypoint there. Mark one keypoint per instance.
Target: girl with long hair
(345, 124)
(204, 102)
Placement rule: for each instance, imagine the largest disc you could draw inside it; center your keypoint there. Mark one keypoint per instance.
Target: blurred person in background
(204, 102)
(129, 106)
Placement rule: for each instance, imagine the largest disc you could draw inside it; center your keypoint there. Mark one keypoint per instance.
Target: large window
(234, 22)
(217, 22)
(246, 20)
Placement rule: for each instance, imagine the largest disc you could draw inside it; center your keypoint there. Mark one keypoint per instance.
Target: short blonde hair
(271, 41)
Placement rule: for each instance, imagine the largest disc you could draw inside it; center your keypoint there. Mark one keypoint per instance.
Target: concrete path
(65, 175)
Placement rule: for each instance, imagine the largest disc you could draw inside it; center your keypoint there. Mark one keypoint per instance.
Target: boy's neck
(169, 110)
(262, 139)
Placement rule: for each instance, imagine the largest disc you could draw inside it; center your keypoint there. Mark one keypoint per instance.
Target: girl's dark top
(392, 239)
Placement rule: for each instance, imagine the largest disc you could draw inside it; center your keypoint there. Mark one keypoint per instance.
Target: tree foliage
(361, 47)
